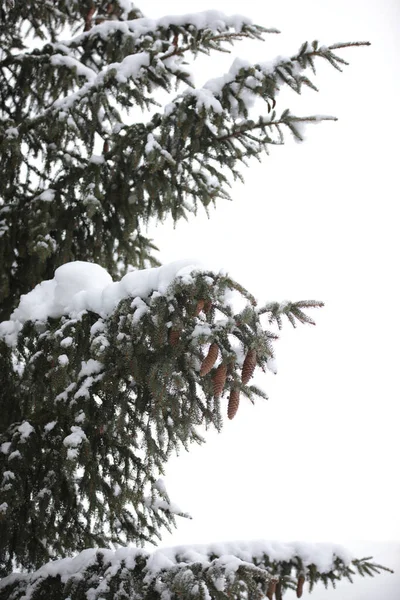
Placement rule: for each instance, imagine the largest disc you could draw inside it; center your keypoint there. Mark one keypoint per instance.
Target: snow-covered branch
(163, 349)
(216, 572)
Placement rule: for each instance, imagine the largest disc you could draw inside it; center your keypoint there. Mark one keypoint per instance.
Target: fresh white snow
(230, 555)
(82, 286)
(25, 430)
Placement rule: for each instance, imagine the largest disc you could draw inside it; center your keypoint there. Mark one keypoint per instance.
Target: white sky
(320, 459)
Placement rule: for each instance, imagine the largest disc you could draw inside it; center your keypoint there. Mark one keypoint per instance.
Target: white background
(320, 460)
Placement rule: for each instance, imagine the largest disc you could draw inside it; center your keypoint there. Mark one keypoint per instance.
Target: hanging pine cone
(249, 365)
(199, 308)
(278, 591)
(88, 18)
(219, 379)
(300, 585)
(233, 404)
(173, 336)
(209, 360)
(271, 589)
(207, 306)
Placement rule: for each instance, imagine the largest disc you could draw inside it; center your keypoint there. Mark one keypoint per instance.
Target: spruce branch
(263, 123)
(197, 145)
(292, 310)
(123, 379)
(196, 572)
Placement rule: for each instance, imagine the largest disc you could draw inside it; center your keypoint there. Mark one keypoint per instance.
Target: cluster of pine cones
(219, 377)
(220, 374)
(275, 588)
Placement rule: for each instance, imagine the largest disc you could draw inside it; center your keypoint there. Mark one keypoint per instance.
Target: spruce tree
(108, 362)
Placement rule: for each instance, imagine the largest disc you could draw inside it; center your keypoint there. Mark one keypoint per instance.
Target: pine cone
(219, 379)
(88, 18)
(199, 307)
(173, 336)
(300, 584)
(209, 360)
(271, 589)
(207, 306)
(233, 404)
(249, 365)
(278, 591)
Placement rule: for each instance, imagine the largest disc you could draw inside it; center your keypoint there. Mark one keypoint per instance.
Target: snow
(11, 132)
(82, 286)
(141, 309)
(208, 96)
(201, 329)
(7, 475)
(90, 367)
(46, 196)
(25, 430)
(212, 20)
(83, 391)
(63, 360)
(159, 503)
(5, 447)
(64, 394)
(272, 365)
(43, 492)
(130, 66)
(205, 100)
(70, 62)
(322, 555)
(229, 555)
(80, 418)
(75, 438)
(74, 278)
(98, 327)
(216, 85)
(97, 159)
(15, 454)
(126, 6)
(49, 426)
(160, 486)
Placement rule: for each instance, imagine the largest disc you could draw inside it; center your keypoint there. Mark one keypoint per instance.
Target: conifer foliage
(102, 380)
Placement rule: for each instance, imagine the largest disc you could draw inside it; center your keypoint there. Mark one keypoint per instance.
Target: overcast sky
(320, 220)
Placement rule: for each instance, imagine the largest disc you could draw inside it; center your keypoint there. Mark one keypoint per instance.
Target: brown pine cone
(199, 307)
(233, 404)
(88, 18)
(249, 365)
(278, 591)
(271, 589)
(173, 336)
(300, 584)
(219, 379)
(207, 306)
(209, 360)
